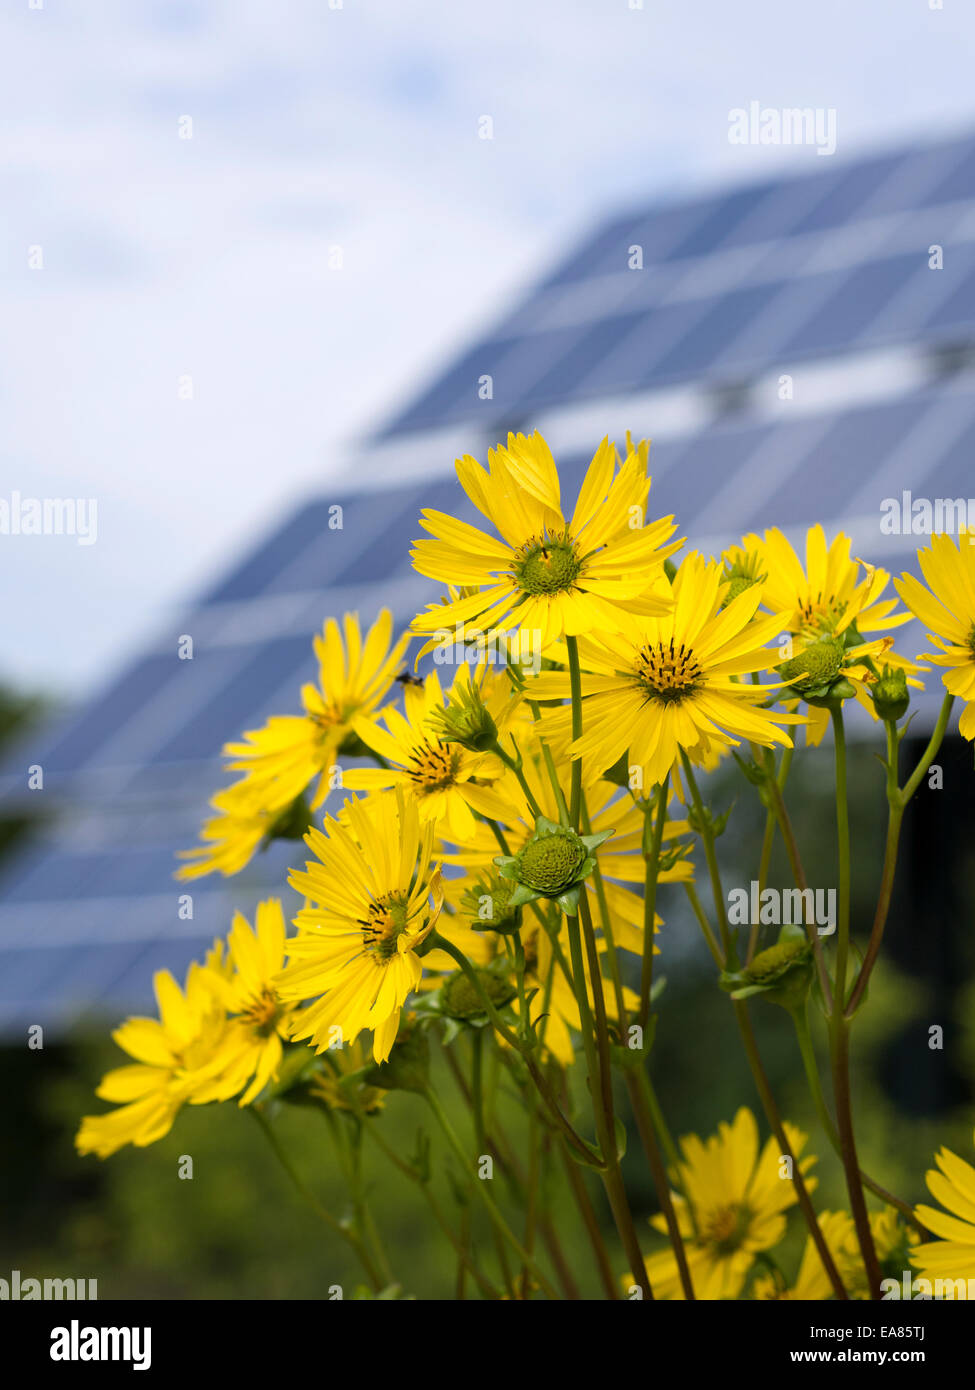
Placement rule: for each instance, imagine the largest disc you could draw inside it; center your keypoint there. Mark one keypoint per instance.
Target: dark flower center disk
(668, 672)
(433, 766)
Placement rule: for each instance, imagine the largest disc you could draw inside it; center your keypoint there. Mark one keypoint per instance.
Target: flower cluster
(486, 872)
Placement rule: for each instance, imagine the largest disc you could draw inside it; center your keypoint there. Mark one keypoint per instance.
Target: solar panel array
(835, 262)
(790, 271)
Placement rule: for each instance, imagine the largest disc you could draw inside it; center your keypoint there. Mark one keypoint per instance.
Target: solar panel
(800, 270)
(636, 334)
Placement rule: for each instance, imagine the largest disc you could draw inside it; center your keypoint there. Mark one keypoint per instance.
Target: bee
(405, 678)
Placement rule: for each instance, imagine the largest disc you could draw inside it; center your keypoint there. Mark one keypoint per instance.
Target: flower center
(726, 1228)
(971, 640)
(666, 672)
(548, 566)
(262, 1012)
(821, 614)
(383, 925)
(433, 766)
(549, 864)
(818, 663)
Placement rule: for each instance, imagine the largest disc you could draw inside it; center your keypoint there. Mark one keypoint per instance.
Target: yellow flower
(952, 1255)
(549, 575)
(176, 1061)
(663, 684)
(446, 782)
(231, 838)
(289, 751)
(812, 1282)
(374, 896)
(827, 596)
(947, 609)
(738, 1196)
(827, 601)
(252, 1044)
(282, 758)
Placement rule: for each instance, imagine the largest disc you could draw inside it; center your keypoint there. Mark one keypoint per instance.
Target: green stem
(651, 873)
(778, 1129)
(575, 685)
(897, 800)
(839, 1024)
(648, 1138)
(585, 1150)
(341, 1228)
(751, 1047)
(800, 1018)
(493, 1211)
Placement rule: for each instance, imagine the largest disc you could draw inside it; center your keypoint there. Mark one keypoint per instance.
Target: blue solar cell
(657, 231)
(700, 468)
(953, 290)
(49, 873)
(223, 717)
(851, 192)
(507, 361)
(261, 566)
(587, 348)
(958, 185)
(329, 552)
(100, 719)
(954, 475)
(849, 302)
(852, 447)
(710, 334)
(628, 359)
(723, 220)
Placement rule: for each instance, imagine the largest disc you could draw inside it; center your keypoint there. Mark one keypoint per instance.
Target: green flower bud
(890, 694)
(466, 720)
(783, 973)
(553, 864)
(459, 999)
(488, 905)
(817, 665)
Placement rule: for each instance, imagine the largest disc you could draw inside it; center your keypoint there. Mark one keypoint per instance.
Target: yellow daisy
(233, 836)
(542, 572)
(252, 1045)
(285, 755)
(952, 1255)
(374, 895)
(280, 760)
(824, 598)
(446, 782)
(666, 684)
(738, 1196)
(177, 1058)
(947, 609)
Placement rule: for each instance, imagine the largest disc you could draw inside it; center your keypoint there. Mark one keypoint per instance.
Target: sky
(195, 331)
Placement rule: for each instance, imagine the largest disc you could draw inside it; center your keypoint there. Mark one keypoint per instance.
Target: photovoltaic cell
(267, 668)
